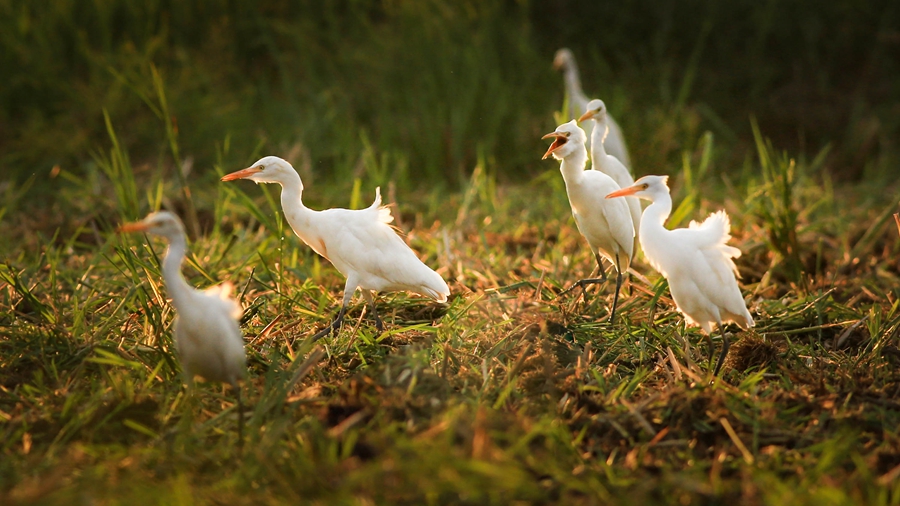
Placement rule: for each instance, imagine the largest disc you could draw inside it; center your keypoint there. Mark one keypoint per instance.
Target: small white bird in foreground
(607, 228)
(360, 243)
(564, 61)
(696, 261)
(608, 164)
(207, 336)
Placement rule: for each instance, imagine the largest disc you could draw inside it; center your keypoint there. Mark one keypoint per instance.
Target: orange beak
(137, 226)
(624, 192)
(587, 115)
(243, 173)
(558, 140)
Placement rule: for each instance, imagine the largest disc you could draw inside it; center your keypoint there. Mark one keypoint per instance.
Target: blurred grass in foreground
(506, 394)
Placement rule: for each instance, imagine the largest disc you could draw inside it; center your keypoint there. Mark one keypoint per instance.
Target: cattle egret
(696, 261)
(564, 61)
(607, 228)
(207, 336)
(608, 164)
(360, 243)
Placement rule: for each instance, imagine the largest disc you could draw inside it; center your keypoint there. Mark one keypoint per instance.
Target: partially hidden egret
(607, 228)
(697, 262)
(609, 164)
(564, 61)
(208, 339)
(360, 243)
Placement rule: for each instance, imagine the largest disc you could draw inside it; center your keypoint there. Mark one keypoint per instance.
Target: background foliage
(783, 113)
(431, 84)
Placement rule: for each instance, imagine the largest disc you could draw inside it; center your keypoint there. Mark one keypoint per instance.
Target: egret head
(268, 169)
(567, 138)
(647, 187)
(563, 59)
(595, 110)
(162, 223)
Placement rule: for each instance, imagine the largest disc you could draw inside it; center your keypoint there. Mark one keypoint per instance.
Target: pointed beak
(241, 174)
(137, 226)
(558, 140)
(624, 192)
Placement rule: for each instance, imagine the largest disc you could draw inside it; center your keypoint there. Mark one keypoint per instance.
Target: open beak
(137, 226)
(585, 116)
(241, 174)
(558, 140)
(624, 192)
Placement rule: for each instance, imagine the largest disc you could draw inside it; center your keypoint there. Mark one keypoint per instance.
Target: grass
(505, 394)
(508, 393)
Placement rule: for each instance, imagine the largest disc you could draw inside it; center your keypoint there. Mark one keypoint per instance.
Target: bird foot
(331, 328)
(583, 284)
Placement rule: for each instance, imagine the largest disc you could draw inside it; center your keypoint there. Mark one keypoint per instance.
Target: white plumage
(604, 223)
(697, 261)
(608, 164)
(564, 61)
(360, 243)
(207, 337)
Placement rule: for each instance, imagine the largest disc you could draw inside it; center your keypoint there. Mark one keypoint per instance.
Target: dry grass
(505, 394)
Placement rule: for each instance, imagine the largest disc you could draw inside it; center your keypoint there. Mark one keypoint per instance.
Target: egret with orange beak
(607, 163)
(207, 337)
(360, 243)
(564, 61)
(696, 261)
(605, 224)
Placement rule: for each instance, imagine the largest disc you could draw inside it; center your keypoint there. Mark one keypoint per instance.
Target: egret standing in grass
(608, 164)
(564, 61)
(696, 261)
(207, 336)
(607, 228)
(360, 243)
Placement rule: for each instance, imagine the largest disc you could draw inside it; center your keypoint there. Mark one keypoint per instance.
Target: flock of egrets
(696, 261)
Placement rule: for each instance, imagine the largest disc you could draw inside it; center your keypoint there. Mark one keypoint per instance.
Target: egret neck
(572, 167)
(177, 286)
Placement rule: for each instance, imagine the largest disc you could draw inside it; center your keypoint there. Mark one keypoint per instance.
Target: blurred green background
(421, 90)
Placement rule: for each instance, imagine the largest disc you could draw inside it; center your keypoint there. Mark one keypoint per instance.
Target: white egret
(207, 337)
(564, 61)
(608, 164)
(607, 228)
(696, 261)
(360, 243)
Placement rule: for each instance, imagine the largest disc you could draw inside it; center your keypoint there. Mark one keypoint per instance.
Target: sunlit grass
(505, 393)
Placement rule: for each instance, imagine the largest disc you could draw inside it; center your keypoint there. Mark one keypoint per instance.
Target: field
(509, 393)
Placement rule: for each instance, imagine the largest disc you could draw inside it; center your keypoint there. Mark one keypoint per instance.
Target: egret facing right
(696, 261)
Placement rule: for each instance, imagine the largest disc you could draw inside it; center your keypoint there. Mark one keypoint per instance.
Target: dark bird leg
(725, 345)
(349, 288)
(333, 326)
(240, 414)
(379, 325)
(583, 283)
(612, 314)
